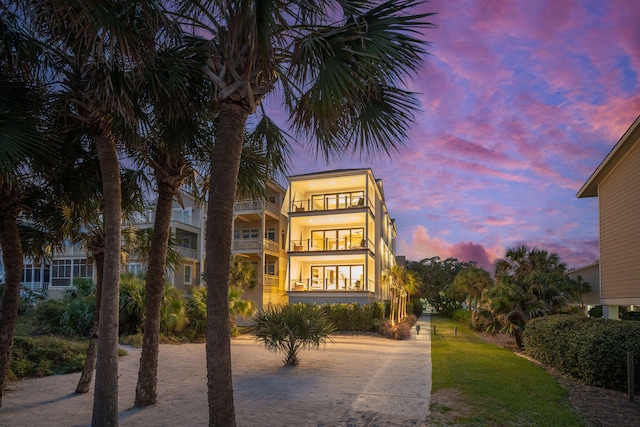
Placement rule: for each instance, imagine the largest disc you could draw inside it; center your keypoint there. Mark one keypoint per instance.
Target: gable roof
(628, 140)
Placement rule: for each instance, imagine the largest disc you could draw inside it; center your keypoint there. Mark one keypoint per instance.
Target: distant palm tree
(528, 283)
(339, 65)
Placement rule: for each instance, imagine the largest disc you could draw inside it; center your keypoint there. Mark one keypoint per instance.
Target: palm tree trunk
(13, 260)
(105, 400)
(148, 372)
(84, 384)
(225, 163)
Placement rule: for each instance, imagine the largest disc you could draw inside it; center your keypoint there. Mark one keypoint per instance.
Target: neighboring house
(259, 234)
(187, 230)
(590, 274)
(615, 184)
(341, 238)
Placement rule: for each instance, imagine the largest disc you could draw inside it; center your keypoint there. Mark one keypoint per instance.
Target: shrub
(197, 309)
(354, 317)
(415, 307)
(132, 296)
(173, 311)
(461, 315)
(398, 331)
(290, 328)
(591, 350)
(46, 355)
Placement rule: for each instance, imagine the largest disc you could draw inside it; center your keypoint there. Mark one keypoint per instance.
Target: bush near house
(591, 350)
(355, 317)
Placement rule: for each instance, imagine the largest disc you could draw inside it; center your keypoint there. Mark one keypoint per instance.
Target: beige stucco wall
(619, 204)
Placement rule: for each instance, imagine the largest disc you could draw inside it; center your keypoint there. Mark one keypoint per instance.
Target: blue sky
(520, 102)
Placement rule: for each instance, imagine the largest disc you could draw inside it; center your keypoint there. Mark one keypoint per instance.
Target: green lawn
(497, 387)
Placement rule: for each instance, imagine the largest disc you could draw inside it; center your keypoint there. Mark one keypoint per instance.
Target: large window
(82, 268)
(63, 271)
(337, 277)
(345, 200)
(339, 239)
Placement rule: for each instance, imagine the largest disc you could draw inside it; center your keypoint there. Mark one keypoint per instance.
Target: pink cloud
(422, 245)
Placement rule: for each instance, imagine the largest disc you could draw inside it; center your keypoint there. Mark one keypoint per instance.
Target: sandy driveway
(354, 381)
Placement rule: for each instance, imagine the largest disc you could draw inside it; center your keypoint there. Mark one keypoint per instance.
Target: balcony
(345, 285)
(270, 280)
(332, 201)
(148, 218)
(187, 252)
(255, 206)
(255, 245)
(337, 244)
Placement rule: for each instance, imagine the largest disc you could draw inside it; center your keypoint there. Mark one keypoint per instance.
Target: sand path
(353, 381)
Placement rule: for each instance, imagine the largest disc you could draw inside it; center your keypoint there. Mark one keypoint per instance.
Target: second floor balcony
(331, 244)
(255, 245)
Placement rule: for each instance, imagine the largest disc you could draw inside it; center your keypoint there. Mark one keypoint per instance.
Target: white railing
(250, 205)
(185, 219)
(255, 244)
(188, 252)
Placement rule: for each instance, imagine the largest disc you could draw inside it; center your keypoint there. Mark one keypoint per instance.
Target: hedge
(591, 350)
(355, 317)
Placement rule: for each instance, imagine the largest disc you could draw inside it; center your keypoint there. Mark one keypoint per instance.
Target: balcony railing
(188, 252)
(250, 205)
(255, 245)
(148, 217)
(337, 244)
(324, 202)
(270, 280)
(343, 285)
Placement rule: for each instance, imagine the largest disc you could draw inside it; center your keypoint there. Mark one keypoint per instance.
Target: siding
(620, 229)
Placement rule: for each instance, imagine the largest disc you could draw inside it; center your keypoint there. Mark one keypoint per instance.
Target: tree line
(525, 284)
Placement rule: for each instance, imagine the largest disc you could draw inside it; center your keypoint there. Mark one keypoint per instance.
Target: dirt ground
(598, 407)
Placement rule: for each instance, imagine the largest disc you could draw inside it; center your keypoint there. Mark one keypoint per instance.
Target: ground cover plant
(478, 383)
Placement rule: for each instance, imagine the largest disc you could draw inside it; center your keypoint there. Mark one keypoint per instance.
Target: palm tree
(472, 281)
(529, 283)
(24, 154)
(175, 131)
(339, 65)
(105, 49)
(403, 284)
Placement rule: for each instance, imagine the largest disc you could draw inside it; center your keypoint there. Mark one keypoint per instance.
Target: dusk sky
(520, 102)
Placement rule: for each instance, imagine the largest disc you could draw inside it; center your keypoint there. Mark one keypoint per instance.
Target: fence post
(630, 376)
(455, 330)
(434, 329)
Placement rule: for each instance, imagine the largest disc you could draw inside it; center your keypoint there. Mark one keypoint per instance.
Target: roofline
(590, 188)
(335, 172)
(584, 267)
